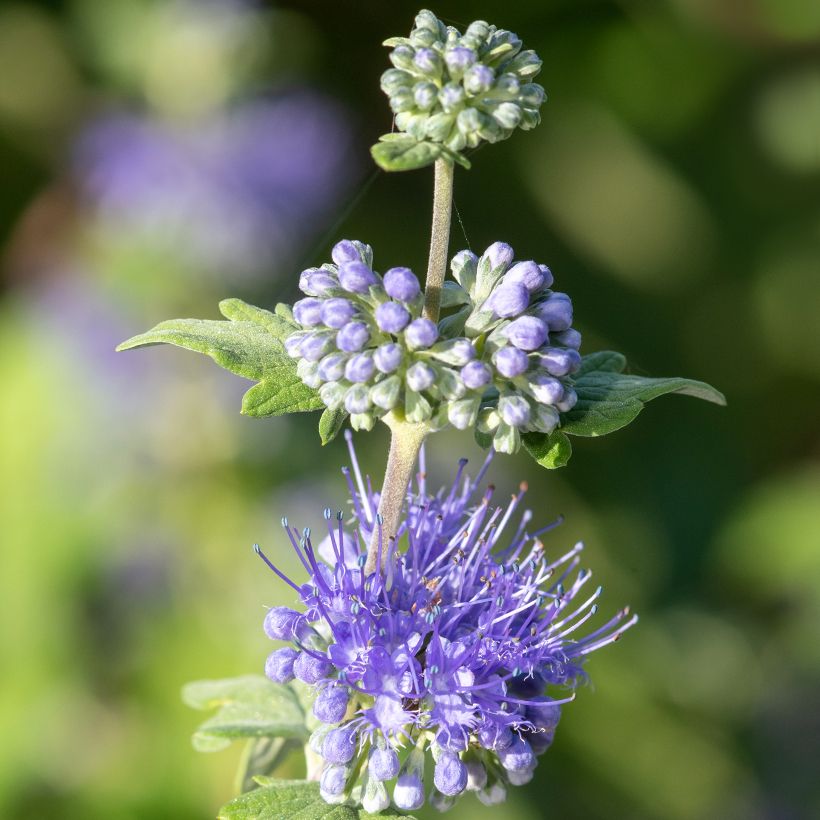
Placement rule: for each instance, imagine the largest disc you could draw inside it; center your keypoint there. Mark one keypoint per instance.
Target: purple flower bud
(357, 399)
(556, 311)
(388, 357)
(333, 780)
(408, 793)
(451, 96)
(527, 332)
(509, 299)
(541, 741)
(293, 345)
(356, 277)
(383, 764)
(331, 704)
(279, 665)
(315, 346)
(476, 375)
(543, 714)
(391, 317)
(420, 333)
(359, 368)
(476, 775)
(528, 274)
(332, 367)
(316, 282)
(545, 389)
(459, 59)
(310, 669)
(494, 736)
(479, 78)
(420, 376)
(548, 277)
(345, 251)
(499, 255)
(401, 284)
(450, 774)
(352, 337)
(427, 60)
(337, 312)
(339, 745)
(568, 402)
(425, 95)
(510, 362)
(567, 338)
(559, 361)
(517, 756)
(308, 312)
(281, 623)
(515, 410)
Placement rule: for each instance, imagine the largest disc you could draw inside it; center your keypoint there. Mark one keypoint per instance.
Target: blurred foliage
(673, 188)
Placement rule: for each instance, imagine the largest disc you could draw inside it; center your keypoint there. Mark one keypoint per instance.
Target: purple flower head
(356, 277)
(332, 367)
(558, 361)
(567, 338)
(515, 410)
(333, 780)
(391, 317)
(420, 376)
(499, 255)
(421, 333)
(545, 389)
(479, 79)
(474, 632)
(352, 337)
(401, 284)
(459, 59)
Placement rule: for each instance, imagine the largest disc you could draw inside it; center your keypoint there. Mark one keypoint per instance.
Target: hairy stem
(406, 438)
(405, 443)
(439, 237)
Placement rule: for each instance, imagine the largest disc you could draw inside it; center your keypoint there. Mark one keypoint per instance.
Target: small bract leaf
(330, 423)
(550, 451)
(401, 152)
(249, 706)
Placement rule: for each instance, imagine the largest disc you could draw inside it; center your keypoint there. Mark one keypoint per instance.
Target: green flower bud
(394, 79)
(402, 57)
(507, 115)
(362, 421)
(385, 394)
(525, 64)
(507, 439)
(416, 407)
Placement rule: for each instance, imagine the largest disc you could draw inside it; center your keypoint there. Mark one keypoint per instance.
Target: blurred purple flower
(236, 192)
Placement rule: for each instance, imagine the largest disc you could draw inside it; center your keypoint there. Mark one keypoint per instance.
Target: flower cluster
(502, 358)
(465, 644)
(365, 344)
(459, 89)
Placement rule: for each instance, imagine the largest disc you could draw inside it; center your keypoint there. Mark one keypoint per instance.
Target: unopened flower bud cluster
(503, 360)
(459, 89)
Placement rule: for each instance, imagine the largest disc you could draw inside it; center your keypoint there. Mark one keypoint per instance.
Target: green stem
(406, 438)
(439, 237)
(405, 443)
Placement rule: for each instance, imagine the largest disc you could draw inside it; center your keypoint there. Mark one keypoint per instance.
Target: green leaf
(609, 399)
(249, 344)
(330, 423)
(401, 152)
(249, 706)
(550, 451)
(294, 800)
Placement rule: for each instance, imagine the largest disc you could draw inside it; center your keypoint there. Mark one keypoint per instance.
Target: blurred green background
(157, 156)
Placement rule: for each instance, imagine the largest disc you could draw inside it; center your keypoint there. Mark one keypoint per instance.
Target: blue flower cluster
(502, 358)
(465, 645)
(462, 89)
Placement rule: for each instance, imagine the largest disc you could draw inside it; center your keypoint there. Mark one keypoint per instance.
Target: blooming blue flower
(467, 642)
